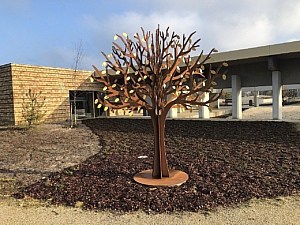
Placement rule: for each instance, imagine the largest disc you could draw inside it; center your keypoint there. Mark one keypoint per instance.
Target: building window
(82, 105)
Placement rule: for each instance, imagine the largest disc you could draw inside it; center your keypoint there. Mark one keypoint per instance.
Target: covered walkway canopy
(272, 65)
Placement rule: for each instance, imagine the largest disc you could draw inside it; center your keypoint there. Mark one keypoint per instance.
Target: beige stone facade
(54, 84)
(6, 95)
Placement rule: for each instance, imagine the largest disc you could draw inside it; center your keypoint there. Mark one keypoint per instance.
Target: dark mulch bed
(228, 162)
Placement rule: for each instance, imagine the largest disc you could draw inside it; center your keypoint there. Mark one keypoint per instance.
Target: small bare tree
(156, 72)
(32, 107)
(77, 59)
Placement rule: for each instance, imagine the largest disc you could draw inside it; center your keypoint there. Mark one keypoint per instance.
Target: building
(63, 89)
(67, 91)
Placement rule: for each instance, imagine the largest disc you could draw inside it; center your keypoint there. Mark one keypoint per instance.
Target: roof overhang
(252, 54)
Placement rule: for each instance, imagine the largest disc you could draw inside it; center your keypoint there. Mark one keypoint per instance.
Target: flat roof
(235, 55)
(263, 51)
(42, 67)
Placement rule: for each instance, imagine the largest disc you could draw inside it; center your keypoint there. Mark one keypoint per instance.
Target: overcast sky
(45, 32)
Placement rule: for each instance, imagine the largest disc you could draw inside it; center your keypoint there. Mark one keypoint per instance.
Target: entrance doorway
(82, 105)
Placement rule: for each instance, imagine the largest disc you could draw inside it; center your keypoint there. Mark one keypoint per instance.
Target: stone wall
(53, 83)
(6, 96)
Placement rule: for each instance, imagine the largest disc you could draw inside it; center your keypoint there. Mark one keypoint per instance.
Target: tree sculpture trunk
(160, 164)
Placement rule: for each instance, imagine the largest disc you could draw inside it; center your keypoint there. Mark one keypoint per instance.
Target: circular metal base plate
(176, 178)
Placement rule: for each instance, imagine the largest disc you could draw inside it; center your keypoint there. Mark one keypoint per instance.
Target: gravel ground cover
(229, 162)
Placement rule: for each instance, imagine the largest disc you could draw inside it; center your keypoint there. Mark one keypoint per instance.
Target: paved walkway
(289, 112)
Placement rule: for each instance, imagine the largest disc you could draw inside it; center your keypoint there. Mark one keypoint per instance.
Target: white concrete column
(277, 95)
(145, 112)
(236, 97)
(107, 113)
(215, 104)
(256, 100)
(204, 111)
(172, 112)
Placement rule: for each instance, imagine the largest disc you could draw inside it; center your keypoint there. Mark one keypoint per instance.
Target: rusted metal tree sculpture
(155, 71)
